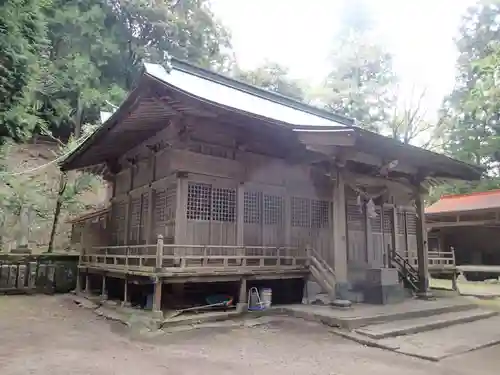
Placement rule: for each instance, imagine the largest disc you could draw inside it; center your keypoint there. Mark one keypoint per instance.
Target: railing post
(159, 252)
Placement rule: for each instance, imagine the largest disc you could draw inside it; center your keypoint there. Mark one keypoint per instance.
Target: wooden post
(87, 284)
(150, 213)
(240, 223)
(180, 217)
(242, 305)
(340, 234)
(78, 288)
(368, 237)
(104, 293)
(159, 253)
(422, 251)
(394, 235)
(125, 292)
(454, 285)
(157, 296)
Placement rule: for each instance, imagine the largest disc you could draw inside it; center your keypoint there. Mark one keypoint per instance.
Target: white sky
(299, 35)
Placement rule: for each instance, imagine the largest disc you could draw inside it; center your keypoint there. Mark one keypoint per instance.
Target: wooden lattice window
(401, 222)
(144, 217)
(135, 219)
(376, 222)
(223, 204)
(388, 218)
(355, 217)
(118, 216)
(273, 210)
(301, 212)
(320, 214)
(160, 210)
(411, 223)
(77, 232)
(252, 212)
(171, 203)
(199, 201)
(210, 203)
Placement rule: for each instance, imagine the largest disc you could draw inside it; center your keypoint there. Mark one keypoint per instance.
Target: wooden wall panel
(356, 234)
(122, 182)
(142, 174)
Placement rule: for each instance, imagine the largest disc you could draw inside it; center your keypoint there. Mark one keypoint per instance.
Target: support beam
(180, 215)
(78, 287)
(87, 284)
(125, 292)
(157, 296)
(242, 298)
(422, 250)
(340, 236)
(240, 207)
(104, 292)
(394, 234)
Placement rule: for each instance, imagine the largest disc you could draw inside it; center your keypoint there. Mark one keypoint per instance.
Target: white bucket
(266, 295)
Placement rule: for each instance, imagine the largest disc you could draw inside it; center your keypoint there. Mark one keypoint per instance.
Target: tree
(272, 77)
(362, 82)
(96, 60)
(473, 108)
(22, 32)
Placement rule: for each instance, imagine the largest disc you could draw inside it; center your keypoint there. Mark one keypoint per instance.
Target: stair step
(437, 344)
(416, 325)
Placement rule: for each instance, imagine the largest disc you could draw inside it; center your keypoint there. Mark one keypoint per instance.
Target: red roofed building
(468, 223)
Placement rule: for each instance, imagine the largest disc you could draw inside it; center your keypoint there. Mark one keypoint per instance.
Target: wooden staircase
(407, 272)
(322, 273)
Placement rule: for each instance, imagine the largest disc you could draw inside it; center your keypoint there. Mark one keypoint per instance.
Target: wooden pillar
(422, 251)
(151, 202)
(87, 284)
(394, 234)
(129, 206)
(104, 293)
(181, 216)
(368, 237)
(125, 292)
(240, 220)
(157, 295)
(340, 234)
(78, 288)
(242, 298)
(240, 212)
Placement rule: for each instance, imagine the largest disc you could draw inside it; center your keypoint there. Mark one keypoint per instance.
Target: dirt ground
(51, 335)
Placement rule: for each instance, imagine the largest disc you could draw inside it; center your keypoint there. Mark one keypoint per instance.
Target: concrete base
(342, 291)
(384, 294)
(242, 307)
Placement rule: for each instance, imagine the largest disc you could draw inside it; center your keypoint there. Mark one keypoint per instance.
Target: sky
(299, 35)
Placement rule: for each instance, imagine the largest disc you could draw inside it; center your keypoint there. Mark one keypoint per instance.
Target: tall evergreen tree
(22, 37)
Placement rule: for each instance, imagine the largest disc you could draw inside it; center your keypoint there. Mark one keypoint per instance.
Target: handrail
(320, 259)
(155, 257)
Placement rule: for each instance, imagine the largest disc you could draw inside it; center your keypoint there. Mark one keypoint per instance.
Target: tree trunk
(63, 180)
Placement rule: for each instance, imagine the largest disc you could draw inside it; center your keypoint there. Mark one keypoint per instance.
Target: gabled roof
(161, 96)
(241, 96)
(450, 204)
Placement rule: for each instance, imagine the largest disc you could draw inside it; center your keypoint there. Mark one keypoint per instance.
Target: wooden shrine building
(216, 180)
(469, 226)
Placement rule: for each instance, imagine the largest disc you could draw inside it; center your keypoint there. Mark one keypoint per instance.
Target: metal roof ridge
(278, 98)
(471, 194)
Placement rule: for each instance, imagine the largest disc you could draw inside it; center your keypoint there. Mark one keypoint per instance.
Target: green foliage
(472, 110)
(362, 82)
(22, 32)
(272, 77)
(64, 61)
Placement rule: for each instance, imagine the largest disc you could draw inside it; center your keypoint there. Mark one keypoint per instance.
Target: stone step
(428, 323)
(437, 344)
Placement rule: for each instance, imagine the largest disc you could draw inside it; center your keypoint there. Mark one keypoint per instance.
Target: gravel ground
(51, 335)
